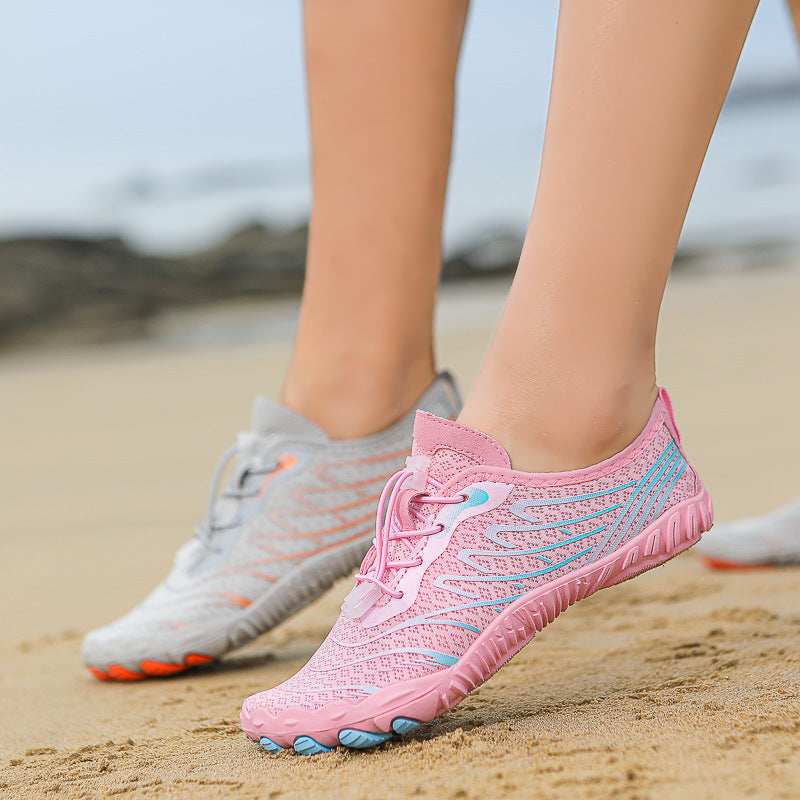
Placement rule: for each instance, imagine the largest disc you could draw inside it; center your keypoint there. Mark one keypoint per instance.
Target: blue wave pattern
(645, 502)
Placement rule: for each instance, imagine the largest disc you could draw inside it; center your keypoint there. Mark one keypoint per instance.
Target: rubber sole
(149, 669)
(422, 699)
(349, 737)
(731, 566)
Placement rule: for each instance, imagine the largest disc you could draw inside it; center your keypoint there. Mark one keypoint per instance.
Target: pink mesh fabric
(547, 526)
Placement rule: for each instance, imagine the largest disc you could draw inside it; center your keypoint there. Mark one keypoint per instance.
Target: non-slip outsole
(732, 566)
(149, 669)
(349, 737)
(423, 699)
(307, 746)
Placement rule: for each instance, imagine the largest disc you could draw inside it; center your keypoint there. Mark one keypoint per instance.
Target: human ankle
(352, 397)
(576, 430)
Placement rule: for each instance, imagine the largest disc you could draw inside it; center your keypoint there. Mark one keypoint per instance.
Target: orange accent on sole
(731, 566)
(159, 669)
(99, 674)
(150, 669)
(118, 673)
(196, 660)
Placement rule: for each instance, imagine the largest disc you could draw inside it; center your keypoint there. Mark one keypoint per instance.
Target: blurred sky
(173, 123)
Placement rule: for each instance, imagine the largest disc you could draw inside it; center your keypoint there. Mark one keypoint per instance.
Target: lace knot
(404, 490)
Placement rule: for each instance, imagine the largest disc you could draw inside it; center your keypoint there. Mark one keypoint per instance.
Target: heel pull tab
(665, 399)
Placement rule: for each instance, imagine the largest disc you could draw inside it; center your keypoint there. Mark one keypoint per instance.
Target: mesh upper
(487, 562)
(323, 500)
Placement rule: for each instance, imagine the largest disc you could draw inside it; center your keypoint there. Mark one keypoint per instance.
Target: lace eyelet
(464, 497)
(419, 563)
(400, 596)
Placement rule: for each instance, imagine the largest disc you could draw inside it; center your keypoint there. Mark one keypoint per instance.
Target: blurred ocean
(175, 123)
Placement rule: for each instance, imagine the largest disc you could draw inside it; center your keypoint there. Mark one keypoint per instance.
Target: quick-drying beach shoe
(772, 540)
(296, 515)
(471, 559)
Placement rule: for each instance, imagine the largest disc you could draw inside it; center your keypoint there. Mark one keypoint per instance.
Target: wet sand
(682, 683)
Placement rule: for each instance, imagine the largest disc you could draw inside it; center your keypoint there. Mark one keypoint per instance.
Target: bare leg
(767, 540)
(794, 8)
(637, 89)
(381, 84)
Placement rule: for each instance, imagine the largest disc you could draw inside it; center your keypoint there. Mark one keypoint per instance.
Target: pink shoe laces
(402, 492)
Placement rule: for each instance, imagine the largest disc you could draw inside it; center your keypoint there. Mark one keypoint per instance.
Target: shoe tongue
(271, 417)
(453, 447)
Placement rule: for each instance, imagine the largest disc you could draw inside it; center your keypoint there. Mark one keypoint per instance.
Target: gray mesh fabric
(296, 515)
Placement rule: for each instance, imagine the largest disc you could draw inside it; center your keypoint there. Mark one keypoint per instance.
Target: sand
(681, 684)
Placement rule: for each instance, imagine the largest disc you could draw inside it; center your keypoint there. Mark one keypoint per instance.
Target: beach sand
(681, 684)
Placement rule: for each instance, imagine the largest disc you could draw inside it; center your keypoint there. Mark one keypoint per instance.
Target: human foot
(471, 559)
(767, 541)
(296, 516)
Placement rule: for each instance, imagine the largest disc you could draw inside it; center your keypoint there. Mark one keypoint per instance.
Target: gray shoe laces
(239, 488)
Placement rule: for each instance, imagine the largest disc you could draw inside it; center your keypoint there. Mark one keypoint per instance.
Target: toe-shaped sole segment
(116, 672)
(270, 746)
(307, 746)
(735, 566)
(350, 737)
(149, 669)
(404, 725)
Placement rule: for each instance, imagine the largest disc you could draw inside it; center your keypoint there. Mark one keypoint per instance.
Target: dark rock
(51, 286)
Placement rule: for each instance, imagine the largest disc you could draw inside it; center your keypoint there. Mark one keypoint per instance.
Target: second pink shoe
(471, 558)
